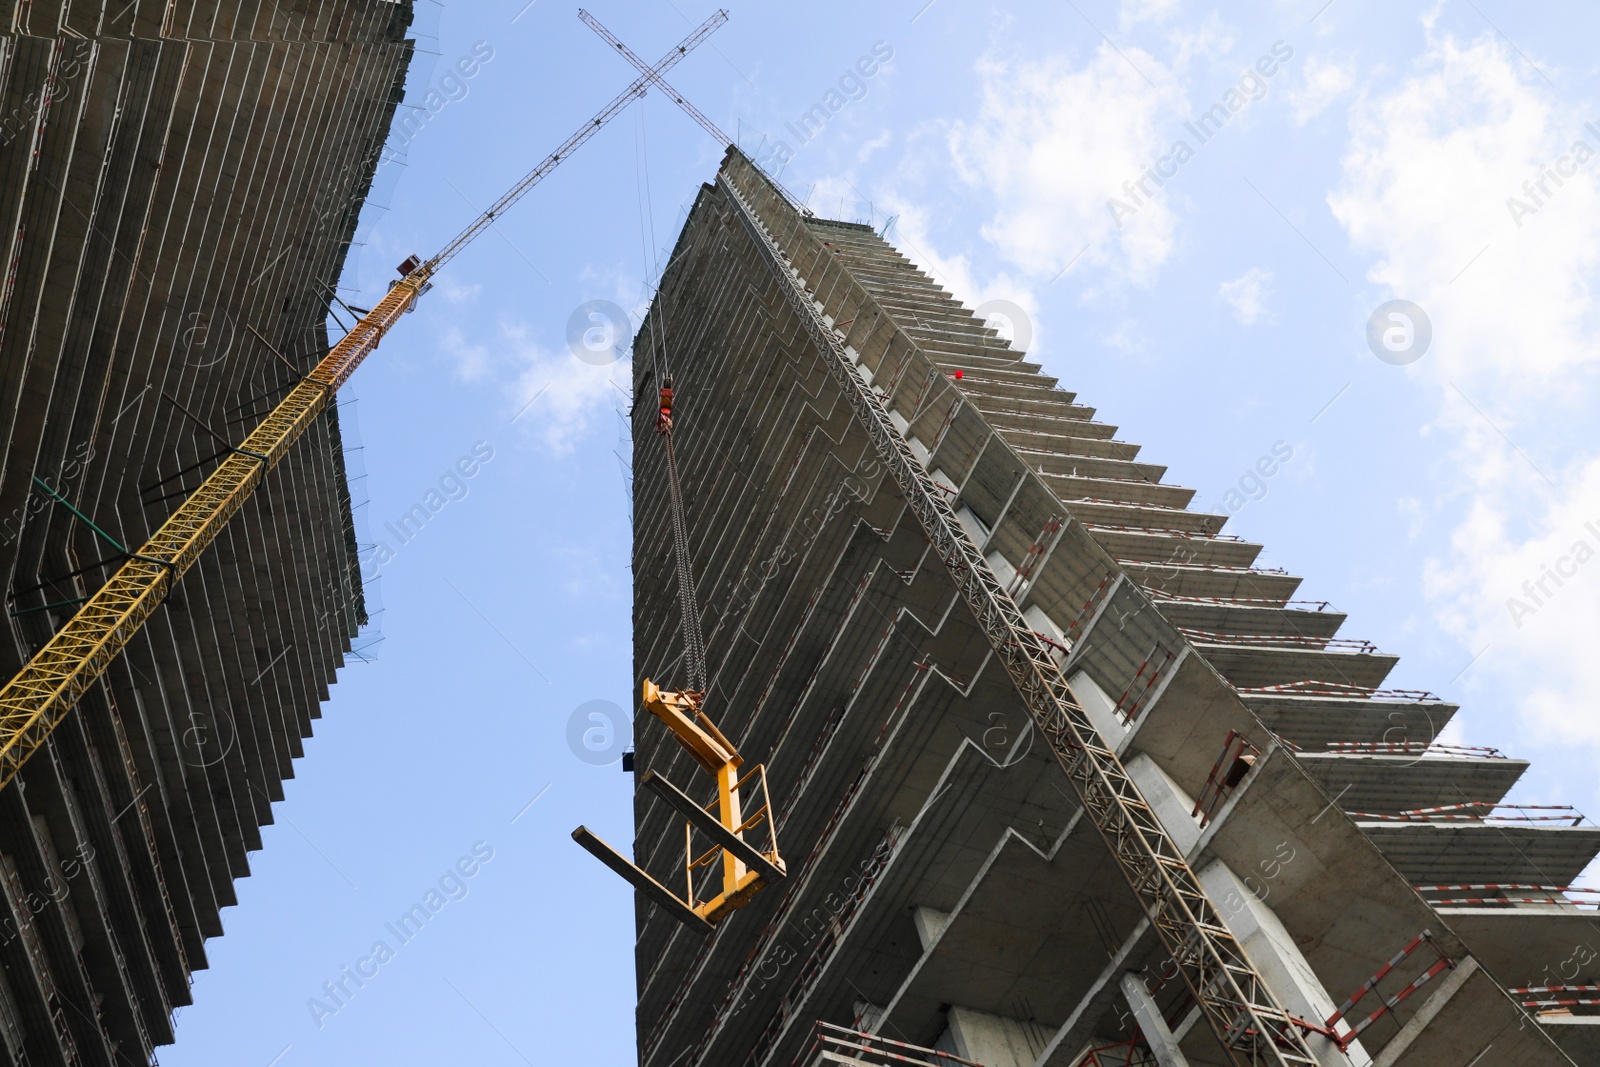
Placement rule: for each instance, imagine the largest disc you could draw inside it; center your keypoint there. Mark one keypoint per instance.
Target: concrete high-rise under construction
(902, 535)
(179, 186)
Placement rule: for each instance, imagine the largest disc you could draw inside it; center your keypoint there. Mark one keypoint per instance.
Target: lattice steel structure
(990, 660)
(1238, 1005)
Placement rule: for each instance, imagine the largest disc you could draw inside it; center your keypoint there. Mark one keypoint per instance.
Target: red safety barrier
(1408, 748)
(1570, 1002)
(1131, 1053)
(1239, 754)
(1166, 531)
(1035, 553)
(1313, 687)
(1319, 644)
(1149, 673)
(1444, 963)
(1486, 809)
(1075, 627)
(859, 1046)
(1508, 887)
(1224, 601)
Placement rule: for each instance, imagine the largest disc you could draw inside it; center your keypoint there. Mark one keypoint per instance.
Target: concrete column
(1277, 959)
(994, 1040)
(1151, 1024)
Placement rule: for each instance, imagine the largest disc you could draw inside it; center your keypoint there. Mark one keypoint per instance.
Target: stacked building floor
(179, 186)
(947, 895)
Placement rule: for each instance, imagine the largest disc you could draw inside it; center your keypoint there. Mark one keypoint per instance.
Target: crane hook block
(664, 420)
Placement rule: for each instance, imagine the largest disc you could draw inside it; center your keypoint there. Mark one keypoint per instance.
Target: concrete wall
(170, 174)
(942, 869)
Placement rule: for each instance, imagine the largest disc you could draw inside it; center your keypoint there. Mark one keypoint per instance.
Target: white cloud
(1515, 355)
(1136, 11)
(1323, 80)
(1426, 181)
(1244, 294)
(913, 235)
(1207, 40)
(867, 149)
(1050, 145)
(458, 294)
(559, 398)
(1127, 338)
(1531, 602)
(471, 361)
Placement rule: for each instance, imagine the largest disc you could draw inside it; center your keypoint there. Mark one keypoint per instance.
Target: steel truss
(1247, 1019)
(47, 687)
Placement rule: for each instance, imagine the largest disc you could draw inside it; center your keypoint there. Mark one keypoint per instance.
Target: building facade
(179, 185)
(949, 893)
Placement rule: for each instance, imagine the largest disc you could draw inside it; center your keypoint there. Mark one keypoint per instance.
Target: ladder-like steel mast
(1247, 1019)
(49, 684)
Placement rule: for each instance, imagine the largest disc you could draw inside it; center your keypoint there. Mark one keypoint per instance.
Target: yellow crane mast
(49, 684)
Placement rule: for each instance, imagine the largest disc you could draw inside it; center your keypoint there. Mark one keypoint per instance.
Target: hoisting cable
(745, 868)
(694, 643)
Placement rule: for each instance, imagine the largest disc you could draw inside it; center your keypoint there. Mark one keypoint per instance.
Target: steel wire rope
(694, 644)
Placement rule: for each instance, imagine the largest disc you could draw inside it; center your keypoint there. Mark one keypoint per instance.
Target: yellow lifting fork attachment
(745, 868)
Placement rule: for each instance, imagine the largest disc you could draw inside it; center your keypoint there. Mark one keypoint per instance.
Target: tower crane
(52, 681)
(745, 868)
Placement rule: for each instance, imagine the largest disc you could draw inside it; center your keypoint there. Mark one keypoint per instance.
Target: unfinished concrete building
(179, 184)
(949, 894)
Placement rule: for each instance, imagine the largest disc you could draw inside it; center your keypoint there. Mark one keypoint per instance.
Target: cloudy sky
(1201, 220)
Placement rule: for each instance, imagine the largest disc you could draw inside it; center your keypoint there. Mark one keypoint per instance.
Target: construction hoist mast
(1242, 1011)
(745, 869)
(50, 683)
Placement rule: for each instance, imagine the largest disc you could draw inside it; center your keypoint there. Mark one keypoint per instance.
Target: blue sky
(1216, 317)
